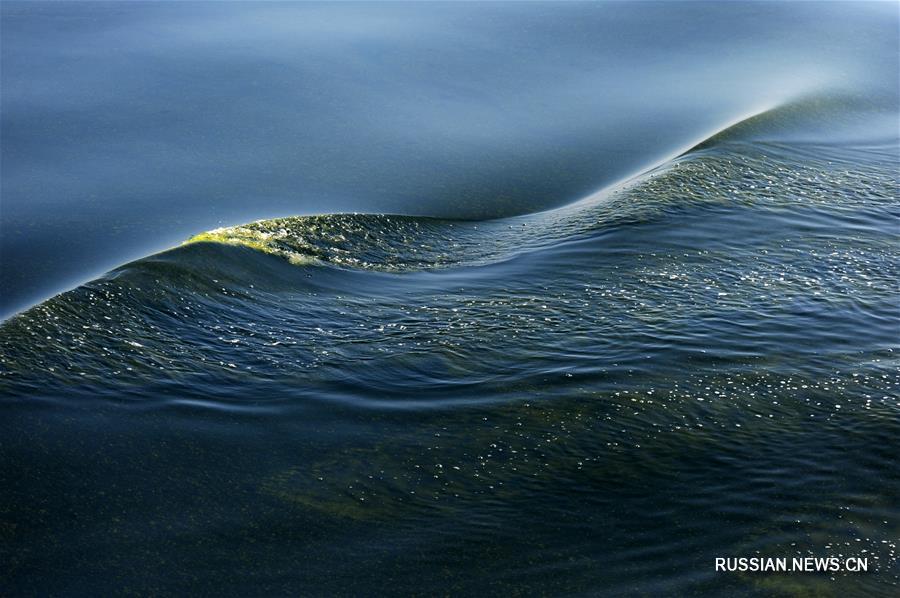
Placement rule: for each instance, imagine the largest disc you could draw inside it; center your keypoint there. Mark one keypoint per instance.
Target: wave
(828, 118)
(274, 300)
(376, 306)
(398, 243)
(716, 170)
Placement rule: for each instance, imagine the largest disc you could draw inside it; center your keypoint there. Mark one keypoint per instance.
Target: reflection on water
(602, 397)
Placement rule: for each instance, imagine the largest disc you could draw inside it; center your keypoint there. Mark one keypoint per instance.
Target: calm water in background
(499, 390)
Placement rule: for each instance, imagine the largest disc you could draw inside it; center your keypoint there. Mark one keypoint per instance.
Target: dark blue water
(621, 297)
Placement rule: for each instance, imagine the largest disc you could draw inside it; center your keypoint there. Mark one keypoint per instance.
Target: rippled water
(696, 362)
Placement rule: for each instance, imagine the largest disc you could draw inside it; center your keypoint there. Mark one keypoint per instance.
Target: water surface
(622, 298)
